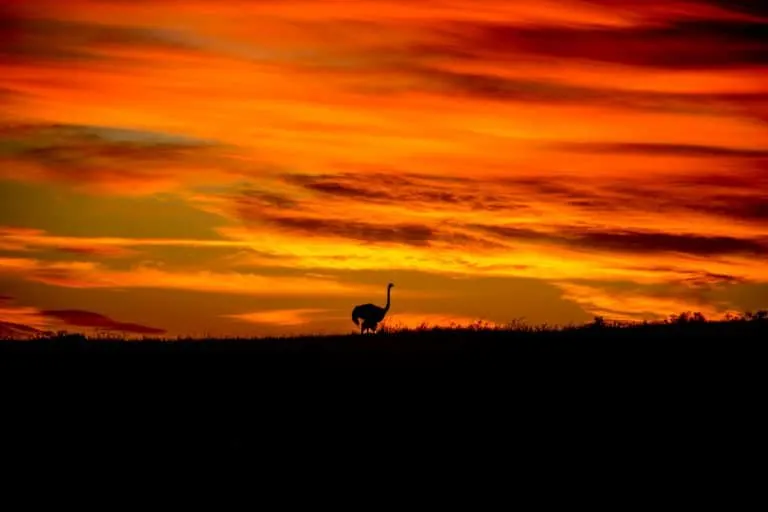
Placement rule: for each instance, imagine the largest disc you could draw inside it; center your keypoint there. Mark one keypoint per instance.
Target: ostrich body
(371, 314)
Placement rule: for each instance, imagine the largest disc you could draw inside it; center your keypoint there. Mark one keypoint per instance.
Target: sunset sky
(216, 167)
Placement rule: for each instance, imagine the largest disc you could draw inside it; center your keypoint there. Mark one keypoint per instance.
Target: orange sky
(244, 168)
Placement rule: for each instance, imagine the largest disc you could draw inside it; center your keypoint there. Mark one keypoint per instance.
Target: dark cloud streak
(685, 44)
(13, 330)
(98, 156)
(642, 242)
(413, 190)
(635, 242)
(499, 88)
(79, 318)
(409, 234)
(27, 37)
(664, 149)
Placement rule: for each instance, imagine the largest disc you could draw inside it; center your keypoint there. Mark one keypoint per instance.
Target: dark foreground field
(696, 387)
(502, 352)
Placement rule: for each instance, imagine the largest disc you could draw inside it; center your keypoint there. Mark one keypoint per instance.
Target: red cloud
(79, 318)
(12, 330)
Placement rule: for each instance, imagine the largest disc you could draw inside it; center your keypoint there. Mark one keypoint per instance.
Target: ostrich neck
(389, 290)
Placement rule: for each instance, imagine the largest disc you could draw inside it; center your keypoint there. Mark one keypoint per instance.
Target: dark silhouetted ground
(689, 389)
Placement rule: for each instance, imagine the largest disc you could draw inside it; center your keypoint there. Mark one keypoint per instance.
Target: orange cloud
(21, 239)
(280, 317)
(634, 305)
(619, 142)
(92, 275)
(108, 160)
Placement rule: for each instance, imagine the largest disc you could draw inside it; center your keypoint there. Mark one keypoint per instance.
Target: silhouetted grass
(562, 388)
(472, 339)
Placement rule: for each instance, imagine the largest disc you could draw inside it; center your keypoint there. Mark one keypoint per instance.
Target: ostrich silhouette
(371, 314)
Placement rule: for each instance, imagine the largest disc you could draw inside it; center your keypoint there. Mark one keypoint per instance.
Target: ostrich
(370, 314)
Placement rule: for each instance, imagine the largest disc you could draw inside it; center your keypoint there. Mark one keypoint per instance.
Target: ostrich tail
(354, 317)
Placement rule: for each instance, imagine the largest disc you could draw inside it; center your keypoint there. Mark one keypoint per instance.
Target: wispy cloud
(21, 322)
(103, 159)
(639, 303)
(677, 44)
(637, 242)
(280, 317)
(92, 275)
(692, 150)
(621, 142)
(90, 320)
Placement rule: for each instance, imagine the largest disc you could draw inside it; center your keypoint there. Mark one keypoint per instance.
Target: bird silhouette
(371, 314)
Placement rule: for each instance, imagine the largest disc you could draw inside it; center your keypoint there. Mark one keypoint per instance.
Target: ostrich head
(390, 285)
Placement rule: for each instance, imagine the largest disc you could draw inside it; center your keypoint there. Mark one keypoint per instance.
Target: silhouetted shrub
(687, 317)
